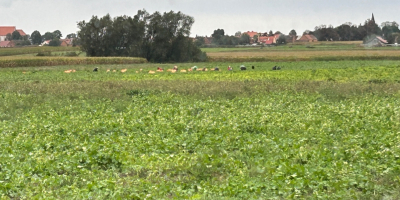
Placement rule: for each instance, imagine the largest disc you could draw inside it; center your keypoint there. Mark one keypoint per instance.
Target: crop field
(312, 130)
(34, 50)
(319, 51)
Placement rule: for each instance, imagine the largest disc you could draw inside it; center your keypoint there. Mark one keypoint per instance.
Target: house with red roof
(269, 40)
(4, 44)
(66, 42)
(251, 34)
(4, 30)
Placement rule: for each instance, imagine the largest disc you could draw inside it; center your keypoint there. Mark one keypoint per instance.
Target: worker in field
(229, 68)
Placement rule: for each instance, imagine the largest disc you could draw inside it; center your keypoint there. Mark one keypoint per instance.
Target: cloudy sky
(230, 15)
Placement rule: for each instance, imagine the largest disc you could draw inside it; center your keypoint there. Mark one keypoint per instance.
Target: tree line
(350, 32)
(345, 32)
(158, 37)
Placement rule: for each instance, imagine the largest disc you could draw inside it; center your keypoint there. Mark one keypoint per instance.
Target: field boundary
(56, 61)
(286, 59)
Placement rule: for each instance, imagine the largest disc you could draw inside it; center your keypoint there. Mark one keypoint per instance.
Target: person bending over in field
(96, 69)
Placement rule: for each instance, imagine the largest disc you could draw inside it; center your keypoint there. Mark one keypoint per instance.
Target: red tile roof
(269, 39)
(21, 32)
(251, 34)
(4, 30)
(382, 40)
(6, 44)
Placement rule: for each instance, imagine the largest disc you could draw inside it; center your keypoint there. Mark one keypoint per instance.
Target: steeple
(373, 18)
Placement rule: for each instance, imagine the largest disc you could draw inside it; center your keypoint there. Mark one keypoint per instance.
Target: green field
(313, 130)
(34, 50)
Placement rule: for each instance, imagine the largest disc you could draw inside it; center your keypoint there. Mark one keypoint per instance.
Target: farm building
(4, 44)
(307, 38)
(208, 40)
(251, 34)
(269, 40)
(375, 41)
(4, 30)
(66, 42)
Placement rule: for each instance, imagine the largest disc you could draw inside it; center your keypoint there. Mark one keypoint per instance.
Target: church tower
(373, 18)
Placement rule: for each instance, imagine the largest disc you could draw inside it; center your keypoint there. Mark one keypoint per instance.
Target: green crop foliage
(33, 50)
(313, 130)
(56, 61)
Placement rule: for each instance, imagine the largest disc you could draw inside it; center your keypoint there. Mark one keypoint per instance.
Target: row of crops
(56, 61)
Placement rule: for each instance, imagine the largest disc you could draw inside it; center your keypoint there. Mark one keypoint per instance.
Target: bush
(55, 43)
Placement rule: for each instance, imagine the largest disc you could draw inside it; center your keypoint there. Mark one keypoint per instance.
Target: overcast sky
(230, 15)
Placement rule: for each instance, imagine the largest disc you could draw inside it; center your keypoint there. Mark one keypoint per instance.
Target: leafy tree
(255, 38)
(48, 36)
(395, 38)
(372, 28)
(36, 37)
(22, 43)
(8, 37)
(293, 33)
(326, 33)
(156, 37)
(281, 40)
(245, 39)
(345, 32)
(71, 35)
(199, 41)
(26, 37)
(57, 34)
(55, 42)
(16, 36)
(238, 34)
(229, 40)
(389, 29)
(271, 33)
(218, 33)
(76, 42)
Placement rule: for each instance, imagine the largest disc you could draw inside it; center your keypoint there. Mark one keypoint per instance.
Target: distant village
(388, 34)
(10, 36)
(257, 38)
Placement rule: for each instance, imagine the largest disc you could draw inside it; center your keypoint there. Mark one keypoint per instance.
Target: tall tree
(199, 41)
(8, 37)
(218, 33)
(36, 37)
(293, 33)
(389, 29)
(255, 38)
(238, 34)
(156, 37)
(345, 32)
(217, 36)
(281, 40)
(71, 35)
(16, 35)
(57, 34)
(245, 39)
(48, 36)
